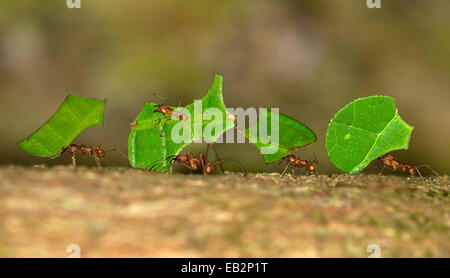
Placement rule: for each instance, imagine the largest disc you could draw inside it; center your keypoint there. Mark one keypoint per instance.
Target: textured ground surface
(113, 212)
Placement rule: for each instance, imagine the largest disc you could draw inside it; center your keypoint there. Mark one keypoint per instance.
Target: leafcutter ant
(97, 152)
(167, 114)
(294, 161)
(133, 124)
(194, 163)
(389, 162)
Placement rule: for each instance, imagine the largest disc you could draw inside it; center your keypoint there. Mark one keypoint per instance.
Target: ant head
(290, 158)
(99, 152)
(386, 157)
(162, 108)
(182, 117)
(182, 157)
(207, 169)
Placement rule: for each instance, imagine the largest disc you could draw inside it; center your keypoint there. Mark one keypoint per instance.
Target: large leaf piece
(292, 134)
(74, 116)
(364, 130)
(150, 144)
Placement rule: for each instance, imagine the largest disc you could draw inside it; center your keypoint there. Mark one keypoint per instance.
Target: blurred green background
(309, 58)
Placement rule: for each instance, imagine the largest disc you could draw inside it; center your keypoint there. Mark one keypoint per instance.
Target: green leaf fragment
(146, 146)
(74, 116)
(292, 134)
(364, 130)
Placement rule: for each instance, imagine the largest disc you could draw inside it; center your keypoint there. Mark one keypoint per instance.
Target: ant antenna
(50, 159)
(114, 148)
(382, 170)
(160, 97)
(119, 151)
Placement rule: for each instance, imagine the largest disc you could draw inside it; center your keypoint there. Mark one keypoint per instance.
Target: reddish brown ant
(194, 163)
(168, 113)
(133, 124)
(389, 162)
(294, 161)
(97, 152)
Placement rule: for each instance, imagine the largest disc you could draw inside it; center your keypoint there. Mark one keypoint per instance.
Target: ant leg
(74, 162)
(418, 172)
(158, 121)
(97, 161)
(321, 167)
(203, 159)
(187, 166)
(215, 154)
(164, 127)
(231, 159)
(163, 170)
(207, 152)
(431, 169)
(381, 172)
(307, 172)
(285, 169)
(164, 160)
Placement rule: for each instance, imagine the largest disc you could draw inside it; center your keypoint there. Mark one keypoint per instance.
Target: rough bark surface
(121, 212)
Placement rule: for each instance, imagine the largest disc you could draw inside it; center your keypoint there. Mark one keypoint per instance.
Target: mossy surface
(121, 212)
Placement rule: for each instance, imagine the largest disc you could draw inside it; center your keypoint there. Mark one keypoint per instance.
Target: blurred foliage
(306, 57)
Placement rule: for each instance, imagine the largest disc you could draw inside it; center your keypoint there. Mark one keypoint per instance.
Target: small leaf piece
(148, 147)
(74, 116)
(364, 130)
(292, 135)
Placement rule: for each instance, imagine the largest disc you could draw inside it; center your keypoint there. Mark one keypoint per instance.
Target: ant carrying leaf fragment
(365, 130)
(151, 141)
(292, 134)
(73, 117)
(194, 163)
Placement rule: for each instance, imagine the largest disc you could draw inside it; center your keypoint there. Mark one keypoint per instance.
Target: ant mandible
(389, 162)
(194, 163)
(294, 161)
